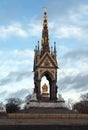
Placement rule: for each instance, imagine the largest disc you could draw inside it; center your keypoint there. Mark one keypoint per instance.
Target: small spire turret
(55, 50)
(54, 47)
(38, 45)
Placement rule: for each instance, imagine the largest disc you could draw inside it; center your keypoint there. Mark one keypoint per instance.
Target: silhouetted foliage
(82, 106)
(13, 105)
(84, 97)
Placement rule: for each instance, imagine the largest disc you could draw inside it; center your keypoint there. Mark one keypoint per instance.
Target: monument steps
(36, 110)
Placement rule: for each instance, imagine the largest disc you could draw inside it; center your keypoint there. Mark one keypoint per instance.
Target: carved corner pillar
(38, 90)
(53, 90)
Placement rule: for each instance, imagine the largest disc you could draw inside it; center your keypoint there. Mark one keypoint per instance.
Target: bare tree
(13, 105)
(84, 97)
(82, 105)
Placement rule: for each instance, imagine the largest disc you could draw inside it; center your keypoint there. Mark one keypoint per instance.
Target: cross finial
(45, 8)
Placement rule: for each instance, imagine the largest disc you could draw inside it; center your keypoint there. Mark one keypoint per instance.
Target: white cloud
(11, 89)
(83, 9)
(14, 29)
(73, 73)
(13, 65)
(73, 24)
(15, 60)
(35, 29)
(79, 15)
(68, 31)
(18, 30)
(71, 94)
(15, 72)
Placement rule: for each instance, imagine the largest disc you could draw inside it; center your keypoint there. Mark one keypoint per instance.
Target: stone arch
(52, 83)
(48, 75)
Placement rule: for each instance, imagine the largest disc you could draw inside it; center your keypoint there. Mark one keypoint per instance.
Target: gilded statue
(44, 88)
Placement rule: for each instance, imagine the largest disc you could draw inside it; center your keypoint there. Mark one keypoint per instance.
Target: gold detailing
(42, 40)
(45, 24)
(50, 57)
(50, 71)
(45, 36)
(45, 17)
(45, 39)
(44, 89)
(48, 41)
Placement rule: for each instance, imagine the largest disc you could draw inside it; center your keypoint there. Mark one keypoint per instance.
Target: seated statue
(44, 89)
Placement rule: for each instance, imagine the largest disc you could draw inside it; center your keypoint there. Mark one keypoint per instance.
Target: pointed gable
(47, 61)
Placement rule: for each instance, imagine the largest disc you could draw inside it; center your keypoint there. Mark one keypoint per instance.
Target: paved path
(44, 122)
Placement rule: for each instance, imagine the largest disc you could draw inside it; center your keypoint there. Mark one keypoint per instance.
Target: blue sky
(21, 28)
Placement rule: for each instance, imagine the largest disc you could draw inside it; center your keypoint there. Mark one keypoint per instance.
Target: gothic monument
(45, 64)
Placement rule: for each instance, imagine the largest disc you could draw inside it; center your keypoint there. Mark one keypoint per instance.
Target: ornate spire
(45, 36)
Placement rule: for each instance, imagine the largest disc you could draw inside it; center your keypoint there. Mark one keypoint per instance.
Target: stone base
(57, 104)
(45, 102)
(3, 115)
(45, 97)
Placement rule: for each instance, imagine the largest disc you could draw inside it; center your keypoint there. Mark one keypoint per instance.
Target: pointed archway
(52, 84)
(45, 81)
